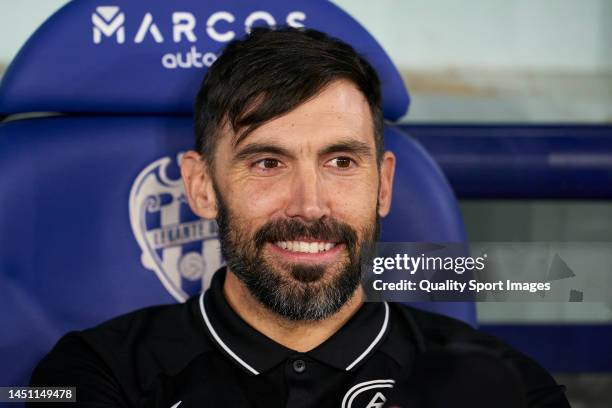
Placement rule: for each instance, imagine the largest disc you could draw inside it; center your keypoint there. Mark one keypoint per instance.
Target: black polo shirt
(202, 354)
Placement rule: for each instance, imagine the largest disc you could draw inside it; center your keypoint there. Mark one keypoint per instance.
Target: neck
(300, 336)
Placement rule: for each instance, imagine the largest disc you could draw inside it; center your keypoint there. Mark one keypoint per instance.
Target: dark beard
(304, 296)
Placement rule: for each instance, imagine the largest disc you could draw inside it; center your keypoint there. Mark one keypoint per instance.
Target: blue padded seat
(93, 221)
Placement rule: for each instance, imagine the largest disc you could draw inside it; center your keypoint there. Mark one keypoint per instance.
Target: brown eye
(267, 164)
(342, 162)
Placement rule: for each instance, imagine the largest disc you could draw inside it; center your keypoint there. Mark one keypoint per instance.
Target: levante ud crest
(178, 246)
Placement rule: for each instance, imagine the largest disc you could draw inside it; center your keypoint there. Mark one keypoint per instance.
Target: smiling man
(293, 169)
(290, 161)
(296, 202)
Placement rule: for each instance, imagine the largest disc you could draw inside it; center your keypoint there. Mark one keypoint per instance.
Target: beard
(297, 292)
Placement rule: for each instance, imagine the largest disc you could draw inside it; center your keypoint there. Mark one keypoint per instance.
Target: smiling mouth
(305, 247)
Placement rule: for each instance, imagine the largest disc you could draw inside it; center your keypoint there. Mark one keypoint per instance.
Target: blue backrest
(149, 56)
(93, 221)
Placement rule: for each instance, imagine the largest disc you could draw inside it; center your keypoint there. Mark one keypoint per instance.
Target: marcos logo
(181, 248)
(221, 26)
(109, 21)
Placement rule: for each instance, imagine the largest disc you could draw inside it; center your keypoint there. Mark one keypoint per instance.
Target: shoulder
(438, 332)
(170, 321)
(130, 350)
(149, 328)
(436, 329)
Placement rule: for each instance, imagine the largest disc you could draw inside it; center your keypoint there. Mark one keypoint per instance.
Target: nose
(309, 197)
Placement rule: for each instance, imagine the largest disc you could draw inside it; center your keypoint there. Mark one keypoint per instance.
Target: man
(290, 161)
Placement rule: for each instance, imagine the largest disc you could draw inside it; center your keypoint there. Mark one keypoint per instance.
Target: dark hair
(271, 72)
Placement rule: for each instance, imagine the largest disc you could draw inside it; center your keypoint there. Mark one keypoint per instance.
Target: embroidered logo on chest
(367, 394)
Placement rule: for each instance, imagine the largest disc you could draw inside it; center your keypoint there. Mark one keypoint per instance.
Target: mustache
(293, 230)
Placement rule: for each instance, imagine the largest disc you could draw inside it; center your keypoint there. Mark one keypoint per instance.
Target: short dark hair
(271, 72)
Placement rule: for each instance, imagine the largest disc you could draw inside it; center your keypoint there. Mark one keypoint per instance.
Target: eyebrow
(253, 149)
(349, 146)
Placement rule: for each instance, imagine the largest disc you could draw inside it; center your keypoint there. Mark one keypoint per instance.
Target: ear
(385, 192)
(198, 182)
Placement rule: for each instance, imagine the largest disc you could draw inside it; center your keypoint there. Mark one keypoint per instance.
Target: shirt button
(299, 366)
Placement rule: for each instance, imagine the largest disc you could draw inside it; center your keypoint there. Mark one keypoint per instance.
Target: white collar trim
(376, 340)
(221, 342)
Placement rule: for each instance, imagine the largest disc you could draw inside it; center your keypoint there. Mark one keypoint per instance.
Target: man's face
(298, 202)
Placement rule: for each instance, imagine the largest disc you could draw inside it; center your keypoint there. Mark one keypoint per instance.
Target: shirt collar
(347, 349)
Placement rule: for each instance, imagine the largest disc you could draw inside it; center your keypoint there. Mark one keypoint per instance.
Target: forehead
(339, 110)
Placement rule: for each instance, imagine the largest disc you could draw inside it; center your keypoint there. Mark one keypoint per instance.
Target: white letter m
(108, 20)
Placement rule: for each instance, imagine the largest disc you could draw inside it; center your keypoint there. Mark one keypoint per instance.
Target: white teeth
(305, 247)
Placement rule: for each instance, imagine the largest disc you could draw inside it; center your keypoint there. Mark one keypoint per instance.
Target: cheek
(256, 200)
(354, 201)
